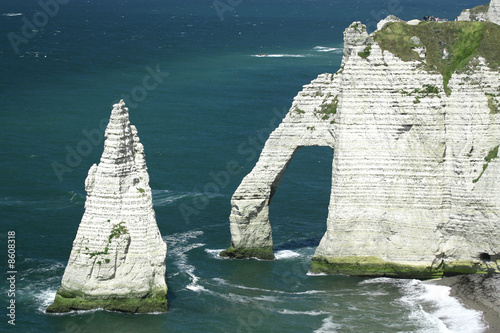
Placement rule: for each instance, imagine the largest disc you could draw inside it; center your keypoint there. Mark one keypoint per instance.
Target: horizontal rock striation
(118, 256)
(494, 11)
(414, 125)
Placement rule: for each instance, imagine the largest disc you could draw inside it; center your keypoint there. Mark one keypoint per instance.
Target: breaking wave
(328, 49)
(179, 245)
(262, 55)
(433, 309)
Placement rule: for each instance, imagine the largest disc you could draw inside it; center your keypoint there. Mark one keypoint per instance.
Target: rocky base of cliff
(371, 266)
(264, 253)
(66, 302)
(478, 291)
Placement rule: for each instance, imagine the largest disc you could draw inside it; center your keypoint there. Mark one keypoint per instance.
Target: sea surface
(206, 82)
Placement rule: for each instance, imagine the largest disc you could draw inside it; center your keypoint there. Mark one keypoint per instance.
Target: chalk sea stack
(118, 257)
(413, 120)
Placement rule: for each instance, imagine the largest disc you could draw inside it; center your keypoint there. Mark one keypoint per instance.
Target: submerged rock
(118, 256)
(415, 131)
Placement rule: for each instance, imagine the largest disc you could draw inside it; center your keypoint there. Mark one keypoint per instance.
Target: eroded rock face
(494, 11)
(415, 178)
(118, 256)
(489, 12)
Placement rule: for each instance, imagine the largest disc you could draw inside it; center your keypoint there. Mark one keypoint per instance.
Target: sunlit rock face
(118, 256)
(415, 179)
(489, 12)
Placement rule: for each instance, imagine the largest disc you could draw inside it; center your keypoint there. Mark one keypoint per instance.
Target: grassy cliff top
(479, 9)
(449, 45)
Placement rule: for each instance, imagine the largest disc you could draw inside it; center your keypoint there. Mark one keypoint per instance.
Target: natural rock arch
(415, 174)
(310, 122)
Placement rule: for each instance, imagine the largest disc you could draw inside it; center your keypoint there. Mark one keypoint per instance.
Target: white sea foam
(328, 49)
(195, 287)
(310, 292)
(307, 313)
(433, 309)
(373, 293)
(315, 274)
(179, 245)
(262, 55)
(215, 253)
(266, 298)
(286, 254)
(45, 267)
(329, 326)
(383, 280)
(45, 298)
(166, 197)
(267, 291)
(12, 14)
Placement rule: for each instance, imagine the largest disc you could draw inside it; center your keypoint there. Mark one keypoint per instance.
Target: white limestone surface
(118, 251)
(408, 187)
(494, 12)
(489, 12)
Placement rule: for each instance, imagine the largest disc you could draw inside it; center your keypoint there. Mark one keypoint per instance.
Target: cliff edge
(413, 119)
(489, 12)
(118, 257)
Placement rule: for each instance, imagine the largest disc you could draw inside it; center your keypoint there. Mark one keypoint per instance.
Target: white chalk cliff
(415, 179)
(489, 12)
(494, 11)
(118, 257)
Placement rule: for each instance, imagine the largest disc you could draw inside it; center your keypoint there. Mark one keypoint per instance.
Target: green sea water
(214, 100)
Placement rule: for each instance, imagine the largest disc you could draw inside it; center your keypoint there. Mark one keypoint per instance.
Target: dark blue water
(211, 101)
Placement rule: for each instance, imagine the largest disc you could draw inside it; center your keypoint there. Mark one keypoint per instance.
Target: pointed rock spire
(118, 256)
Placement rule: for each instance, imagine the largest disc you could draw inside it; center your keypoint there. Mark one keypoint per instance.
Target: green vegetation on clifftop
(478, 11)
(449, 46)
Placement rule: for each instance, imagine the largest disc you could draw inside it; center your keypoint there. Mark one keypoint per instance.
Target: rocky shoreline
(480, 292)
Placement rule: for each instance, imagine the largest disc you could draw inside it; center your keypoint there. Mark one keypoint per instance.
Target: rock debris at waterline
(415, 131)
(118, 257)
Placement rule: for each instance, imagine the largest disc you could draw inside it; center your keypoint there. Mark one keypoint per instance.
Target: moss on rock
(265, 253)
(373, 267)
(66, 301)
(466, 267)
(491, 155)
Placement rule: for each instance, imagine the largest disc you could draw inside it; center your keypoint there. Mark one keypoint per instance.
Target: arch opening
(299, 208)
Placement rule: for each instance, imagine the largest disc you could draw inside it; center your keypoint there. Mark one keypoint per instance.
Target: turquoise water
(213, 102)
